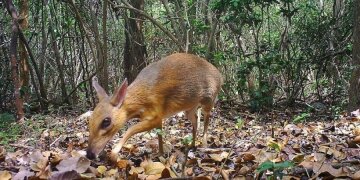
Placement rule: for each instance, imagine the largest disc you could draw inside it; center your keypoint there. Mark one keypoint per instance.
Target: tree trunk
(101, 63)
(58, 62)
(354, 91)
(13, 59)
(23, 66)
(135, 49)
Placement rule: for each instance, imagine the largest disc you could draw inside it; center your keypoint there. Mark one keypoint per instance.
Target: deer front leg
(191, 115)
(142, 126)
(161, 142)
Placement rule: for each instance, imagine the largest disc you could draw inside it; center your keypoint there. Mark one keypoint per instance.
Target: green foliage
(9, 129)
(276, 168)
(187, 140)
(159, 131)
(239, 123)
(302, 117)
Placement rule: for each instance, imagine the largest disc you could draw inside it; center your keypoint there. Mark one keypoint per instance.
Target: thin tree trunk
(100, 63)
(57, 56)
(135, 48)
(104, 71)
(354, 91)
(13, 60)
(23, 66)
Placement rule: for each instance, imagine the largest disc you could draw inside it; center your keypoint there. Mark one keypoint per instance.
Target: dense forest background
(272, 53)
(291, 71)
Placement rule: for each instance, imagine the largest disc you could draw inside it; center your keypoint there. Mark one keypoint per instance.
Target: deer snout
(90, 154)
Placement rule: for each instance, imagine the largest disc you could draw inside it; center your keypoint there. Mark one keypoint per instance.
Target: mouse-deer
(179, 82)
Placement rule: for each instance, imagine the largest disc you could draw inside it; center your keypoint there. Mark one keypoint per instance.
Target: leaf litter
(240, 146)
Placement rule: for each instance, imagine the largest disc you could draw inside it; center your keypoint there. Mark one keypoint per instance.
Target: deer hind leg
(191, 115)
(207, 104)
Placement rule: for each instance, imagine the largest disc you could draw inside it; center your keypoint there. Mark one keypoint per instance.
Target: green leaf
(283, 165)
(265, 166)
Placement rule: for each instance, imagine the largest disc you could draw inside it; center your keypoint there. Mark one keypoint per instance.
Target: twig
(187, 149)
(223, 164)
(174, 170)
(21, 146)
(213, 150)
(180, 178)
(56, 140)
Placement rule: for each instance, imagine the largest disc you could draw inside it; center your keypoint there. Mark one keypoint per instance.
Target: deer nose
(90, 154)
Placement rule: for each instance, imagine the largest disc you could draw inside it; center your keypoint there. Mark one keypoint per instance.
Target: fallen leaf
(244, 170)
(165, 173)
(357, 139)
(2, 153)
(101, 169)
(66, 175)
(248, 157)
(136, 170)
(298, 158)
(111, 172)
(356, 176)
(324, 167)
(5, 175)
(356, 131)
(122, 164)
(23, 174)
(219, 157)
(79, 164)
(154, 168)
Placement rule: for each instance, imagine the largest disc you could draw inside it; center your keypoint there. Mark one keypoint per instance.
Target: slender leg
(161, 142)
(206, 125)
(191, 115)
(142, 126)
(206, 111)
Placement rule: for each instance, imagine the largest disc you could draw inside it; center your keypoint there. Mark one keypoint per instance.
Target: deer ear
(119, 94)
(101, 94)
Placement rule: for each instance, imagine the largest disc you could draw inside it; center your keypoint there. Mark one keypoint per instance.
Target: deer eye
(105, 123)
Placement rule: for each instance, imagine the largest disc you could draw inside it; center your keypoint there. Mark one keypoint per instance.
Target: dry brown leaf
(36, 156)
(55, 159)
(307, 164)
(165, 173)
(40, 167)
(5, 175)
(298, 158)
(356, 131)
(290, 178)
(153, 177)
(209, 169)
(66, 175)
(154, 168)
(189, 171)
(219, 157)
(101, 169)
(2, 153)
(111, 172)
(122, 164)
(356, 176)
(45, 173)
(23, 174)
(324, 167)
(247, 157)
(292, 128)
(136, 170)
(263, 156)
(79, 164)
(244, 170)
(357, 140)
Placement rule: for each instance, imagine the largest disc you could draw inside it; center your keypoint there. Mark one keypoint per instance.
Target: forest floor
(241, 145)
